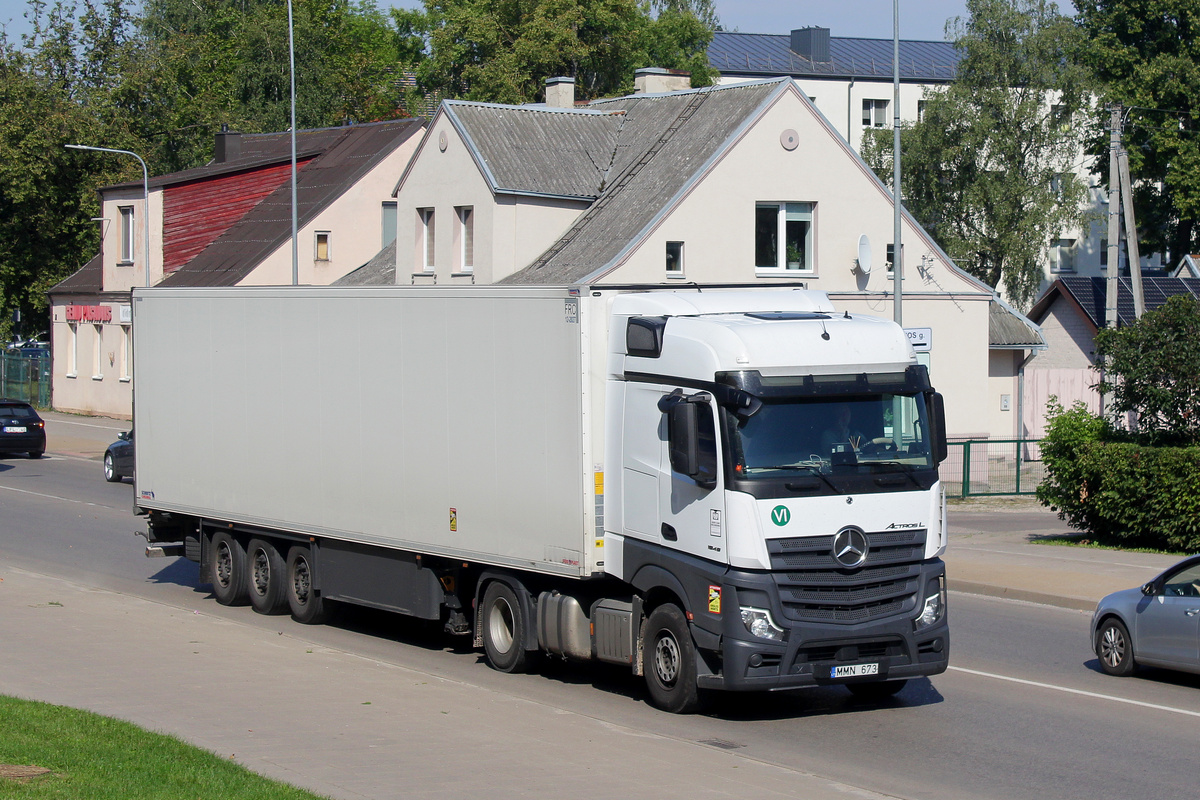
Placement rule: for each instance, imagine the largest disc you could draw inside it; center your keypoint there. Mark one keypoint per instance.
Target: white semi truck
(719, 488)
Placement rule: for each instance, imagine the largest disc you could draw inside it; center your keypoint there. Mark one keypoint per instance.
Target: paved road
(375, 707)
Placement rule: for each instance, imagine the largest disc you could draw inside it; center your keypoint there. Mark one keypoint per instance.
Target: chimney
(811, 43)
(656, 80)
(560, 92)
(228, 146)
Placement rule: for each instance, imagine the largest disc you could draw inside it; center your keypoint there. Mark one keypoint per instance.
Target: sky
(872, 19)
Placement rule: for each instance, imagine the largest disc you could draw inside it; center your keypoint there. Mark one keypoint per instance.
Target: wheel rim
(666, 658)
(1112, 647)
(108, 467)
(261, 571)
(301, 581)
(500, 625)
(224, 564)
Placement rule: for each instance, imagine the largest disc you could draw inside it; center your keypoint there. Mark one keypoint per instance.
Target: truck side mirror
(691, 436)
(938, 414)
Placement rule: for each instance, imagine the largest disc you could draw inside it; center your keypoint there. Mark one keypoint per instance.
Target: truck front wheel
(227, 567)
(670, 661)
(267, 578)
(504, 626)
(306, 604)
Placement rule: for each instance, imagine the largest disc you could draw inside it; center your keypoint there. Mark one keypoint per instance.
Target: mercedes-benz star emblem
(850, 547)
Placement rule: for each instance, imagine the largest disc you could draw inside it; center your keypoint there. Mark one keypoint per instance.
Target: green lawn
(91, 757)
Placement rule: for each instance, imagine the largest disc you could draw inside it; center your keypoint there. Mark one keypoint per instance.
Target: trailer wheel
(504, 627)
(227, 568)
(306, 605)
(670, 661)
(267, 577)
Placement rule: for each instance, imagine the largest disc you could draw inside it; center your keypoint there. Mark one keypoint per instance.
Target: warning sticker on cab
(714, 599)
(453, 520)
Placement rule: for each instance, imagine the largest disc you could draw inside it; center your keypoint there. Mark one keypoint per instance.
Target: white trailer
(628, 474)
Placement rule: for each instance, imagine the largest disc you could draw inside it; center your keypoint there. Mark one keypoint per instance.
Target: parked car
(21, 429)
(118, 458)
(1157, 625)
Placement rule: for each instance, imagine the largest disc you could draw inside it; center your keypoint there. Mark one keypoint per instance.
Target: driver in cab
(841, 433)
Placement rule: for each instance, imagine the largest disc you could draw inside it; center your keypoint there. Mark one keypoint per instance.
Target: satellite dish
(864, 254)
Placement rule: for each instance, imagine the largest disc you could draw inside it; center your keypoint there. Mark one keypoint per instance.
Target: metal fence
(25, 378)
(993, 467)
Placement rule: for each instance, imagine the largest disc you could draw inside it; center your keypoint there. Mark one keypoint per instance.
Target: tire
(227, 570)
(670, 661)
(266, 577)
(110, 469)
(879, 690)
(36, 453)
(303, 599)
(504, 629)
(1114, 648)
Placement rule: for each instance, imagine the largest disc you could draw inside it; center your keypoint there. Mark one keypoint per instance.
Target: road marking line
(56, 497)
(1076, 691)
(118, 427)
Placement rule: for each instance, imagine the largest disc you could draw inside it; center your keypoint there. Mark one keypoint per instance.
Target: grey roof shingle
(765, 54)
(1090, 294)
(661, 146)
(1008, 329)
(379, 271)
(346, 158)
(88, 279)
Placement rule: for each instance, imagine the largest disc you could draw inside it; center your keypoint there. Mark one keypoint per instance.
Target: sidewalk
(993, 551)
(80, 436)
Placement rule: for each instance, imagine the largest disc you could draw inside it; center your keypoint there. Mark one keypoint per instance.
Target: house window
(125, 360)
(425, 238)
(1062, 255)
(675, 258)
(388, 223)
(98, 354)
(783, 237)
(891, 257)
(465, 248)
(920, 111)
(126, 234)
(874, 113)
(72, 350)
(1104, 252)
(322, 246)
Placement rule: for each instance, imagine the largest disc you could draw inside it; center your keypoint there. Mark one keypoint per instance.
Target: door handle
(1191, 612)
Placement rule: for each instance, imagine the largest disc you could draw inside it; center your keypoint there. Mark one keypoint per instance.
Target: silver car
(1157, 625)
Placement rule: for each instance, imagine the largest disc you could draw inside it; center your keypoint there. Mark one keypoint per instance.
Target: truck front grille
(816, 588)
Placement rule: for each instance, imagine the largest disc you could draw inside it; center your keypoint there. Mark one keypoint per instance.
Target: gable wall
(1069, 339)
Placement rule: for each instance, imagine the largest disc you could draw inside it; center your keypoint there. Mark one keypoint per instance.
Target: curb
(1027, 595)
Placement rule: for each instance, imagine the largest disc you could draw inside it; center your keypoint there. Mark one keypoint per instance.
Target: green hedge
(1121, 493)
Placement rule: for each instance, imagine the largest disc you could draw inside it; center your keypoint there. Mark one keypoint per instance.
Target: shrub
(1068, 432)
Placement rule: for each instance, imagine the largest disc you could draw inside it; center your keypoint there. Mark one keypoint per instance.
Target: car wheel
(670, 661)
(110, 469)
(879, 690)
(1114, 648)
(227, 570)
(267, 577)
(36, 453)
(303, 599)
(504, 628)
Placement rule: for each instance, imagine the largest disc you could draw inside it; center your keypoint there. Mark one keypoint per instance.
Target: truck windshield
(831, 436)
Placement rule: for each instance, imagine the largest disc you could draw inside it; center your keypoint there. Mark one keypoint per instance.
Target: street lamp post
(145, 190)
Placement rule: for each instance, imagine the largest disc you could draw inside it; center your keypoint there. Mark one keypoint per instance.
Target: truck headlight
(935, 607)
(758, 621)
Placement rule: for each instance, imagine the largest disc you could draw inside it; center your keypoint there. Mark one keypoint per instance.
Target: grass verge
(49, 751)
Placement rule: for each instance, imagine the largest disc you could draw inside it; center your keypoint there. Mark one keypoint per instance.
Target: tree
(503, 50)
(1153, 370)
(1145, 54)
(989, 168)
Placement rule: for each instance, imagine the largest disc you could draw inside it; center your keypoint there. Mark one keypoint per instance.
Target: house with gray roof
(744, 184)
(226, 223)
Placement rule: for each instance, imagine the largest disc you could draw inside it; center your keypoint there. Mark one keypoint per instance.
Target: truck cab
(773, 469)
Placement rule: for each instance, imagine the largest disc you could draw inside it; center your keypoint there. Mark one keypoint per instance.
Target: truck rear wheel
(306, 605)
(504, 627)
(227, 568)
(267, 578)
(670, 661)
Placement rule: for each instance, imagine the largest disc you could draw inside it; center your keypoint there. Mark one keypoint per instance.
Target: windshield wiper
(812, 469)
(907, 469)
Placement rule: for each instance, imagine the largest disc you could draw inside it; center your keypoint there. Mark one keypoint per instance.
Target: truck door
(692, 512)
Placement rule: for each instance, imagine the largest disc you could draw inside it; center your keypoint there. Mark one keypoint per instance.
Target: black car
(21, 429)
(118, 458)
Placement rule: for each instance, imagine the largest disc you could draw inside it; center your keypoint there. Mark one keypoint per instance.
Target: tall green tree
(1145, 55)
(989, 168)
(503, 50)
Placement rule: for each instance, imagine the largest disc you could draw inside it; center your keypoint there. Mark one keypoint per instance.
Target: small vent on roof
(811, 43)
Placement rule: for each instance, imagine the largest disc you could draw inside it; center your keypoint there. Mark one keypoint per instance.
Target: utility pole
(1114, 214)
(1131, 240)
